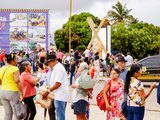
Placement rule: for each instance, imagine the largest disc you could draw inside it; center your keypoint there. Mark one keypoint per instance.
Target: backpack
(158, 93)
(100, 100)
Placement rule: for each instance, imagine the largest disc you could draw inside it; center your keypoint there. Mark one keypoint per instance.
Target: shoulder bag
(20, 110)
(100, 100)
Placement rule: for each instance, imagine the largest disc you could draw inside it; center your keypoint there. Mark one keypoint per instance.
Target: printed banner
(23, 30)
(4, 31)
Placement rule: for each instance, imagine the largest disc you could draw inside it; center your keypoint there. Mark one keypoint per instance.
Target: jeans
(2, 64)
(77, 61)
(60, 109)
(34, 66)
(135, 113)
(71, 77)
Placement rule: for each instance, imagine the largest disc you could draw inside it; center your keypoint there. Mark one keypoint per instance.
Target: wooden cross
(95, 36)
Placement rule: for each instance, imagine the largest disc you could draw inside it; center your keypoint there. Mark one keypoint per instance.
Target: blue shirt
(123, 75)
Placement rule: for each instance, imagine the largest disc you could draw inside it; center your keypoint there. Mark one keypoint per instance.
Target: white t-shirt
(129, 60)
(59, 74)
(77, 95)
(86, 52)
(42, 76)
(66, 58)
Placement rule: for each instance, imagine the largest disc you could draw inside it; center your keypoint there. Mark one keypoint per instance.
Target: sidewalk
(95, 114)
(152, 108)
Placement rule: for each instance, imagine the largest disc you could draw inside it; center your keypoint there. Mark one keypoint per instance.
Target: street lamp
(70, 26)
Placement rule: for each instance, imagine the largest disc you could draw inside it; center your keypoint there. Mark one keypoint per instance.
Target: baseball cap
(120, 58)
(71, 50)
(51, 57)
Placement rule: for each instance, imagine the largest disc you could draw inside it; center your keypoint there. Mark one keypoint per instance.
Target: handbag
(20, 110)
(100, 100)
(45, 103)
(66, 61)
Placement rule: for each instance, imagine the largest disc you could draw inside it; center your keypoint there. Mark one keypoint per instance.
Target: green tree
(81, 32)
(120, 13)
(139, 38)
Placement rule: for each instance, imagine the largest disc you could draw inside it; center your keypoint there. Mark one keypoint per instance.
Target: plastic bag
(86, 80)
(20, 110)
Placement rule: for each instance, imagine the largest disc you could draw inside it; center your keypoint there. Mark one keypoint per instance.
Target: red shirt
(2, 55)
(28, 88)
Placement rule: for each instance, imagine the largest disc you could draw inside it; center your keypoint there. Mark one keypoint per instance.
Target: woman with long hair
(41, 74)
(28, 88)
(136, 94)
(11, 86)
(113, 95)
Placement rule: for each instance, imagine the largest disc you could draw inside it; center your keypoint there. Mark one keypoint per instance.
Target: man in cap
(58, 85)
(120, 60)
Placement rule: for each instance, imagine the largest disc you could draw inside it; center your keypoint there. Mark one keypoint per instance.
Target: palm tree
(120, 13)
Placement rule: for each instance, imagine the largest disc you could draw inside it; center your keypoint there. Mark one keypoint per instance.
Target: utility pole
(70, 27)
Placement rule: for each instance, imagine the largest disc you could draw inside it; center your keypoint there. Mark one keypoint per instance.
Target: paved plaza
(152, 108)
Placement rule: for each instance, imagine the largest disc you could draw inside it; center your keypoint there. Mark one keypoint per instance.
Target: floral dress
(116, 97)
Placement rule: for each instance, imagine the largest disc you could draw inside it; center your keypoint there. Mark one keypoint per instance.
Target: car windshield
(150, 62)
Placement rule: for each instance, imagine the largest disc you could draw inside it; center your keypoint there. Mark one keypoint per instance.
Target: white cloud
(147, 11)
(144, 10)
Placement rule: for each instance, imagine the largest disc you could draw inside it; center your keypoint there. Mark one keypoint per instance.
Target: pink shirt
(59, 55)
(27, 87)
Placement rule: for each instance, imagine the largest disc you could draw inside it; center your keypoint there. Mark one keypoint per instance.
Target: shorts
(80, 106)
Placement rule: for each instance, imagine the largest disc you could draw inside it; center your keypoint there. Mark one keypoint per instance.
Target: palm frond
(119, 13)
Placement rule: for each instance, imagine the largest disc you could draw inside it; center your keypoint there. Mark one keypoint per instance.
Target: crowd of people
(21, 73)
